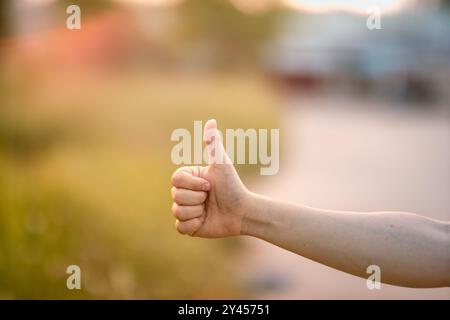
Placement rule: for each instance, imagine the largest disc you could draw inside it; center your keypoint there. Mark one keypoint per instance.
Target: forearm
(411, 250)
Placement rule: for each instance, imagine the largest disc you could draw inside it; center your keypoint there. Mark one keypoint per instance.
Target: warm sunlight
(355, 6)
(155, 3)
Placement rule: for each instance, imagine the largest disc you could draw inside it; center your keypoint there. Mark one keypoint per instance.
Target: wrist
(254, 218)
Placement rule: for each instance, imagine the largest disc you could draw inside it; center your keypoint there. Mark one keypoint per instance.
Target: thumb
(213, 140)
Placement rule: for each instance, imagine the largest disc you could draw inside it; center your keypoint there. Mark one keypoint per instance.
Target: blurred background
(86, 117)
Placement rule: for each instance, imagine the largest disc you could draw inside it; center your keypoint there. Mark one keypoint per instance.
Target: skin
(212, 202)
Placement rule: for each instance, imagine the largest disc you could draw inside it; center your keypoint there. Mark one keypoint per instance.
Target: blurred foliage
(234, 37)
(85, 154)
(4, 19)
(22, 139)
(85, 179)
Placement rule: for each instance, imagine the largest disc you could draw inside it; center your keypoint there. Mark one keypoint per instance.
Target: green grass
(85, 178)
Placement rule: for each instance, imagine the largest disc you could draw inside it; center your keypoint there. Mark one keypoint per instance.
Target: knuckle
(184, 228)
(175, 208)
(177, 196)
(183, 168)
(178, 212)
(203, 196)
(179, 227)
(195, 226)
(175, 179)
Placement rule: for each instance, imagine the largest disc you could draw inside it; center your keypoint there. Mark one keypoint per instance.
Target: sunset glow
(355, 6)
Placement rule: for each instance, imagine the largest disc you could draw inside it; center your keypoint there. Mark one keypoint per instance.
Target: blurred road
(343, 154)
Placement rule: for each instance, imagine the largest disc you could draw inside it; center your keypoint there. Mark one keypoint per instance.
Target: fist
(209, 201)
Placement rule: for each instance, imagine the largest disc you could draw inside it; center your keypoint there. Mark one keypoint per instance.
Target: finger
(189, 227)
(184, 213)
(188, 197)
(184, 179)
(213, 140)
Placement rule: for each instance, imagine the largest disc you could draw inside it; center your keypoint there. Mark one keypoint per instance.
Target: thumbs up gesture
(210, 201)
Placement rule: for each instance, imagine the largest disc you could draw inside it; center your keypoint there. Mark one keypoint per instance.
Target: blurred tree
(4, 17)
(231, 36)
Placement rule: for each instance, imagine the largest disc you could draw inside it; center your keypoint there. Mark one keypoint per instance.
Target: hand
(210, 201)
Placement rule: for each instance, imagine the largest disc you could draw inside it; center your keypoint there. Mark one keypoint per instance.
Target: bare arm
(410, 250)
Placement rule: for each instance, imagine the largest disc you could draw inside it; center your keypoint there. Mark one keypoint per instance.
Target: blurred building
(408, 58)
